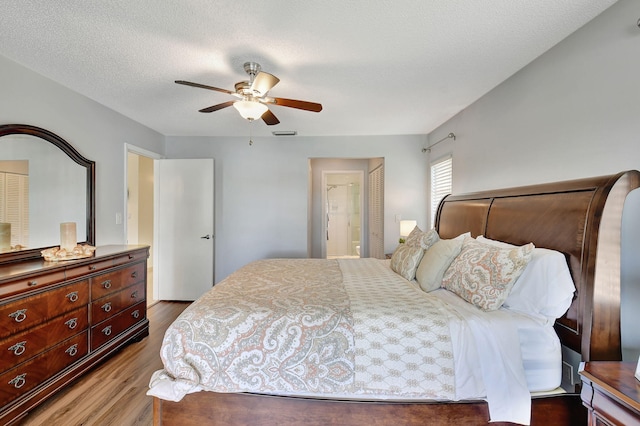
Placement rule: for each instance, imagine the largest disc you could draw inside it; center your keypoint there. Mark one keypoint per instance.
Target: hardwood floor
(114, 393)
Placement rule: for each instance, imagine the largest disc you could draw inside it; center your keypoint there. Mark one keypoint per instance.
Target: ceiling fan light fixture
(250, 110)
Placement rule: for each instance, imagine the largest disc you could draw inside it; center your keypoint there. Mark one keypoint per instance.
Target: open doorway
(343, 207)
(139, 225)
(321, 169)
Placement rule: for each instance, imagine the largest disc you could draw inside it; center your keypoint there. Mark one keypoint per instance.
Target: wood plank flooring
(114, 393)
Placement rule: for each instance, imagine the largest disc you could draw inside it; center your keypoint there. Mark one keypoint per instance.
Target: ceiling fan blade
(264, 82)
(292, 103)
(269, 118)
(217, 107)
(204, 86)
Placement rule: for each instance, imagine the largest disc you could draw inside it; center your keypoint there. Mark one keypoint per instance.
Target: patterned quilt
(310, 327)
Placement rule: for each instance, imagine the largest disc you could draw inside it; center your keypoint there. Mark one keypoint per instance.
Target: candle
(5, 236)
(68, 238)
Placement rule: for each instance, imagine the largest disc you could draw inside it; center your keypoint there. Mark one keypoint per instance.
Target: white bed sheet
(539, 346)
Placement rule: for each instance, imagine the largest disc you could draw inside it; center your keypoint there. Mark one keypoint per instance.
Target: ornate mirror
(44, 182)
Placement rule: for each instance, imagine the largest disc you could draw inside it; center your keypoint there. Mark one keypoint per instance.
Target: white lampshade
(251, 110)
(406, 226)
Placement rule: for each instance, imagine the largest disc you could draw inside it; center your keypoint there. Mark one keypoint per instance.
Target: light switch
(118, 218)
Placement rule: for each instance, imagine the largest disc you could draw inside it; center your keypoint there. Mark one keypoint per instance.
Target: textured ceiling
(377, 66)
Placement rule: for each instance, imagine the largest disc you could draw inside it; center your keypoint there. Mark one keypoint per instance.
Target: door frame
(129, 148)
(324, 175)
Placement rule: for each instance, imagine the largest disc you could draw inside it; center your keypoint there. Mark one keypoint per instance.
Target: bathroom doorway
(342, 213)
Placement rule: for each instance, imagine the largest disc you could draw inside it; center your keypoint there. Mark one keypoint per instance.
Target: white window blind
(441, 183)
(14, 207)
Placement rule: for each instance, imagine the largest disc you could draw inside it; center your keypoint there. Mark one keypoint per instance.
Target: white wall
(97, 132)
(573, 112)
(262, 190)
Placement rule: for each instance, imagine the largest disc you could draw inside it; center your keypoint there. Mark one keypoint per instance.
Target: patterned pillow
(484, 275)
(413, 239)
(417, 238)
(405, 260)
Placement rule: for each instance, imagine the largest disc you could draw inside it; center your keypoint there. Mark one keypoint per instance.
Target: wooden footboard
(209, 408)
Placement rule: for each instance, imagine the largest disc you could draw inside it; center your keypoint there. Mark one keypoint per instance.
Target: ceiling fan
(252, 96)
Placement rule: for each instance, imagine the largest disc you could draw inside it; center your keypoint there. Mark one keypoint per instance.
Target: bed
(580, 219)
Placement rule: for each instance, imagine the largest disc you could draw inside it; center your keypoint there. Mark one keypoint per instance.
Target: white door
(183, 269)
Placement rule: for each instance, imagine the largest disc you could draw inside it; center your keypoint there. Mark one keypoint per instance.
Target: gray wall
(573, 112)
(97, 132)
(262, 202)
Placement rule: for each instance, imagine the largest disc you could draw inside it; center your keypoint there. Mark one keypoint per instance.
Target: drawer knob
(92, 267)
(106, 307)
(72, 350)
(73, 296)
(18, 381)
(135, 314)
(107, 330)
(134, 295)
(72, 323)
(19, 315)
(32, 283)
(106, 284)
(131, 256)
(134, 274)
(19, 348)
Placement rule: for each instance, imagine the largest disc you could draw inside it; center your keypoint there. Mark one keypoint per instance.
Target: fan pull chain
(250, 132)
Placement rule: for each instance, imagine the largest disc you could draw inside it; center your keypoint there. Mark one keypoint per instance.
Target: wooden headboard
(580, 218)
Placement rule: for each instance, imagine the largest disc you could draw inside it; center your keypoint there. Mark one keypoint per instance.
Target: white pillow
(545, 289)
(435, 262)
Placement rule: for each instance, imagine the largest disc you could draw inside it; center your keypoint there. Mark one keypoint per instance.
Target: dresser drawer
(131, 257)
(33, 310)
(88, 269)
(23, 346)
(28, 375)
(107, 306)
(34, 282)
(111, 282)
(111, 328)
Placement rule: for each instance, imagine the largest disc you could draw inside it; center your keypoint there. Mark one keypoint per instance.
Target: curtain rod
(449, 136)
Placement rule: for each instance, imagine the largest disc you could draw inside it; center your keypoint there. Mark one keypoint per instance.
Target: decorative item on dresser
(611, 393)
(59, 319)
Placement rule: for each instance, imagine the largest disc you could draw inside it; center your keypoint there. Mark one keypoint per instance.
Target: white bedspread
(349, 328)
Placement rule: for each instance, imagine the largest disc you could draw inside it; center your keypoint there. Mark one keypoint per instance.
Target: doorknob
(206, 236)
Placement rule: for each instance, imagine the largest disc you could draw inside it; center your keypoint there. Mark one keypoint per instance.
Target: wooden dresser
(59, 319)
(611, 393)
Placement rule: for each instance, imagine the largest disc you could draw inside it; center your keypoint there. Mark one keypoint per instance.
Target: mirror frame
(64, 146)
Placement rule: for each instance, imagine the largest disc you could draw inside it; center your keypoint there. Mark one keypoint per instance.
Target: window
(441, 183)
